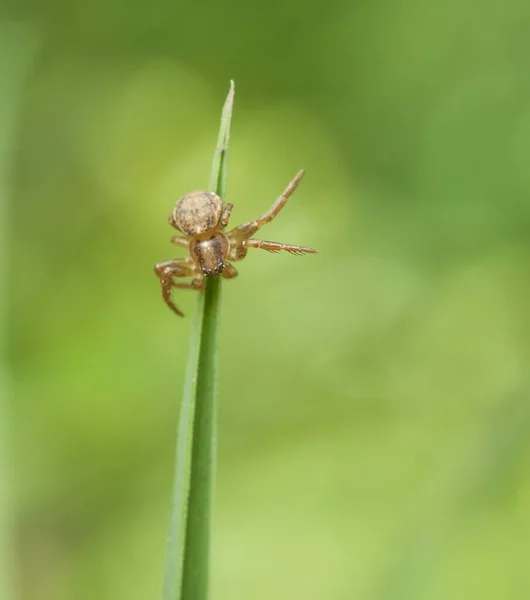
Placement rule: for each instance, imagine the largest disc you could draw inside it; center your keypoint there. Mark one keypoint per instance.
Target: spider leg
(170, 269)
(178, 241)
(248, 229)
(197, 283)
(225, 217)
(278, 247)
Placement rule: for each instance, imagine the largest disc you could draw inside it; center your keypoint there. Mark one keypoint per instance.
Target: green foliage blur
(373, 399)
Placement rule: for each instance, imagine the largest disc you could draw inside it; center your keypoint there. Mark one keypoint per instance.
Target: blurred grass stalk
(187, 564)
(18, 45)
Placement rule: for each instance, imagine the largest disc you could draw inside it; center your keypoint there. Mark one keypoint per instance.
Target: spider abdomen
(197, 212)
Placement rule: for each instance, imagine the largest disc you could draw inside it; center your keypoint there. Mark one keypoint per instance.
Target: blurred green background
(374, 399)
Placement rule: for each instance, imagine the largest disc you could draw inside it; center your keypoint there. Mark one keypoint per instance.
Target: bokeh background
(374, 399)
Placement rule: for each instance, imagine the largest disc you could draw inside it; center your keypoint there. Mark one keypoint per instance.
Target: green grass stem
(188, 549)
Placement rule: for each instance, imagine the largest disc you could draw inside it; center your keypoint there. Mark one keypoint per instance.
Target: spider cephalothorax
(201, 218)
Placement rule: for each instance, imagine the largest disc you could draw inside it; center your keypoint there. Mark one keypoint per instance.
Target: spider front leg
(239, 251)
(241, 236)
(225, 217)
(279, 247)
(169, 269)
(178, 241)
(246, 230)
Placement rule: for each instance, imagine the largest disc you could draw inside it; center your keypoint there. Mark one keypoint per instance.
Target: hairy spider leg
(225, 217)
(169, 269)
(178, 241)
(278, 247)
(246, 230)
(241, 235)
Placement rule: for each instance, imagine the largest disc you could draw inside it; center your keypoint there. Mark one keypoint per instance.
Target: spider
(201, 217)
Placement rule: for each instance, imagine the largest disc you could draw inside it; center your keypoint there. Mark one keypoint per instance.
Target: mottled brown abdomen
(197, 212)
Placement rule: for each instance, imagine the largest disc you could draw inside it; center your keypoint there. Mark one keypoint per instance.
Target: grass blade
(188, 548)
